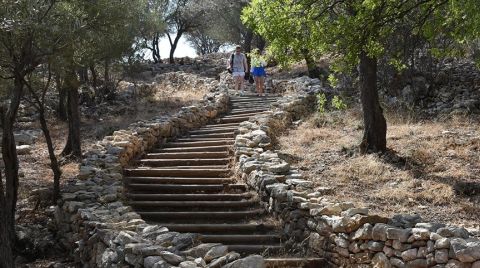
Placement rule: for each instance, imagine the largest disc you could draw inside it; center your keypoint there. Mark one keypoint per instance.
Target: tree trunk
(108, 80)
(247, 46)
(8, 200)
(94, 76)
(62, 94)
(173, 45)
(6, 256)
(261, 43)
(83, 74)
(106, 74)
(313, 70)
(57, 173)
(73, 145)
(375, 132)
(156, 49)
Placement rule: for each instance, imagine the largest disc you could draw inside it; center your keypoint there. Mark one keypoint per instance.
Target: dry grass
(432, 167)
(35, 171)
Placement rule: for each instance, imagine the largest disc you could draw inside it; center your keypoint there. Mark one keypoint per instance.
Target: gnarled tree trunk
(9, 193)
(62, 98)
(174, 44)
(156, 48)
(57, 173)
(313, 70)
(73, 145)
(375, 132)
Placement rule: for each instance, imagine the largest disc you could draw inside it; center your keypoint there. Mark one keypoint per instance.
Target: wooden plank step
(213, 135)
(260, 106)
(237, 119)
(220, 228)
(189, 197)
(198, 143)
(221, 125)
(232, 239)
(213, 130)
(246, 111)
(190, 139)
(221, 148)
(296, 263)
(164, 188)
(176, 180)
(193, 204)
(240, 115)
(255, 249)
(190, 173)
(183, 162)
(252, 99)
(205, 215)
(187, 155)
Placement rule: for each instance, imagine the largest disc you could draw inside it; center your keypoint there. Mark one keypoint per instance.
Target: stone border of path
(341, 233)
(101, 230)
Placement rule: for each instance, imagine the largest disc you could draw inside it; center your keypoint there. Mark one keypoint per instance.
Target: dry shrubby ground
(432, 168)
(35, 171)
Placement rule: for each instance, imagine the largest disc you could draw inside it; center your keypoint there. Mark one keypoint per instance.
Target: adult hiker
(238, 67)
(258, 71)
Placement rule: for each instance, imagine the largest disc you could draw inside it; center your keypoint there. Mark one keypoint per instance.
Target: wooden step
(190, 173)
(221, 125)
(190, 197)
(188, 205)
(187, 155)
(252, 99)
(212, 130)
(194, 139)
(219, 228)
(236, 119)
(214, 135)
(221, 148)
(256, 249)
(189, 188)
(236, 107)
(183, 162)
(296, 263)
(198, 143)
(246, 111)
(176, 180)
(204, 215)
(240, 116)
(230, 239)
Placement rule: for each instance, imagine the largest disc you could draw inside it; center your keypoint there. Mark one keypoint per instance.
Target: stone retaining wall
(102, 231)
(345, 235)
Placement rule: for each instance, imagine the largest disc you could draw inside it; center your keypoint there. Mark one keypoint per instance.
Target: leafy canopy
(346, 28)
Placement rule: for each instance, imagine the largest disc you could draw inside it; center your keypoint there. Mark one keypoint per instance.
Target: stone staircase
(187, 186)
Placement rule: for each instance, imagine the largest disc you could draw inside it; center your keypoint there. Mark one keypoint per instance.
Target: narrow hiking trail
(188, 186)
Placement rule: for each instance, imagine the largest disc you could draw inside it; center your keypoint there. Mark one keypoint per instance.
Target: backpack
(231, 64)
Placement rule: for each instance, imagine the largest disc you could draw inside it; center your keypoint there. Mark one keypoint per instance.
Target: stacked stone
(104, 232)
(345, 235)
(299, 84)
(185, 81)
(207, 65)
(452, 87)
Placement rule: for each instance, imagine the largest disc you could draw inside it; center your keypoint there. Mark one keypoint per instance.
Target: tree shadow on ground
(463, 187)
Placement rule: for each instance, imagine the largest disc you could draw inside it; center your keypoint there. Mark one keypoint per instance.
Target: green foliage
(344, 29)
(321, 103)
(258, 59)
(332, 79)
(285, 25)
(338, 103)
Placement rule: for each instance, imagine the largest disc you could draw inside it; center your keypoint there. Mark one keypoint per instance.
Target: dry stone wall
(346, 235)
(102, 231)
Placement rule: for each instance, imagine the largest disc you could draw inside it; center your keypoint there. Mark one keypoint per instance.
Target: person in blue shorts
(258, 71)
